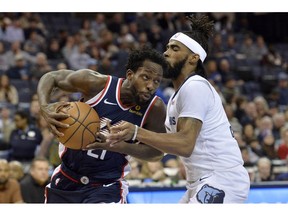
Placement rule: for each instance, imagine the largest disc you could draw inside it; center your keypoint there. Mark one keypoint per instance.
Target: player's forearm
(142, 152)
(45, 86)
(174, 143)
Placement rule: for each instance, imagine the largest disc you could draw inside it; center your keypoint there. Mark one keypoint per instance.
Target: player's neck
(178, 82)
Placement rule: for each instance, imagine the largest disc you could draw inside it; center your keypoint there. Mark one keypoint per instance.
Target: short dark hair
(22, 114)
(138, 56)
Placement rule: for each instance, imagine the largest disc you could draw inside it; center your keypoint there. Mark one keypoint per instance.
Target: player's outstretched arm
(155, 122)
(180, 143)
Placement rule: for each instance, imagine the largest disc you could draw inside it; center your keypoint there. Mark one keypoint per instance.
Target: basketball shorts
(225, 186)
(63, 190)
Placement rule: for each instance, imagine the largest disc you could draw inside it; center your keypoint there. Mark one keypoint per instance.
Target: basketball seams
(80, 124)
(84, 125)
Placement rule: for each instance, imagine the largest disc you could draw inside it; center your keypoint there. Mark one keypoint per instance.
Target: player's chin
(143, 99)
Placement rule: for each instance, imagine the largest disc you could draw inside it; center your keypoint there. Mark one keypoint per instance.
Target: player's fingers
(100, 137)
(57, 124)
(54, 130)
(121, 135)
(116, 128)
(61, 105)
(59, 116)
(108, 123)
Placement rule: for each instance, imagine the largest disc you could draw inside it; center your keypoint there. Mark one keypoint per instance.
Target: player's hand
(123, 131)
(101, 143)
(53, 117)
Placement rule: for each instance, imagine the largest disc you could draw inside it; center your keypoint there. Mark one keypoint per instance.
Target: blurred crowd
(250, 75)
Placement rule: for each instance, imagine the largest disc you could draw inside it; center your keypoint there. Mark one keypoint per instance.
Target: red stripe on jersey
(104, 91)
(148, 110)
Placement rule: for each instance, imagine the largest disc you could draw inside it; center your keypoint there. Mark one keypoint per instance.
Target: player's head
(144, 73)
(189, 49)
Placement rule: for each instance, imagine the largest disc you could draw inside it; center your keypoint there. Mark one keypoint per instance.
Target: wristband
(135, 133)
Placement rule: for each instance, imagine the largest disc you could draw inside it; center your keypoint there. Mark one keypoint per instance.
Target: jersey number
(101, 156)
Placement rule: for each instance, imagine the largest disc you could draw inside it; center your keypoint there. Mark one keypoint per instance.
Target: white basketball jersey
(216, 148)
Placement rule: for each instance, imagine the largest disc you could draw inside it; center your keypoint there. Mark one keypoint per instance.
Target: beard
(173, 72)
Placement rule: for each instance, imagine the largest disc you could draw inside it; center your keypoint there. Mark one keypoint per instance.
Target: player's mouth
(145, 96)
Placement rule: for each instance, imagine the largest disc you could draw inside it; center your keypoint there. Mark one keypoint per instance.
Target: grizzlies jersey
(102, 165)
(215, 148)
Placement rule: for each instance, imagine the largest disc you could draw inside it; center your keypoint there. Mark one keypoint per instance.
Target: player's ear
(129, 74)
(193, 58)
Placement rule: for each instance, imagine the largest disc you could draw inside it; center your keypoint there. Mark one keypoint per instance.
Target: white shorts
(225, 186)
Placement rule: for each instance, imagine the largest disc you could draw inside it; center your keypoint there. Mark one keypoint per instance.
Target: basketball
(84, 124)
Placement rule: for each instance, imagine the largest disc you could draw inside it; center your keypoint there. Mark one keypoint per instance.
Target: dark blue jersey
(103, 165)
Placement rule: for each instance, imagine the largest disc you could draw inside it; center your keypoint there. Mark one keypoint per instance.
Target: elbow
(185, 154)
(186, 150)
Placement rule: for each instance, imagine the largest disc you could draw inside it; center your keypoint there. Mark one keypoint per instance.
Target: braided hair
(201, 30)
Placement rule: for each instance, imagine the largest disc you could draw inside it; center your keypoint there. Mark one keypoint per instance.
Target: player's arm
(154, 122)
(180, 143)
(85, 81)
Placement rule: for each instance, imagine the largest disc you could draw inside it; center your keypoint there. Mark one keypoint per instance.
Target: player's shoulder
(158, 108)
(159, 103)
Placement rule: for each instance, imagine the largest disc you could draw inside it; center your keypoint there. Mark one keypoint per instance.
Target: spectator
(153, 171)
(9, 188)
(282, 151)
(16, 50)
(40, 67)
(86, 31)
(253, 157)
(47, 137)
(14, 32)
(6, 127)
(4, 63)
(135, 172)
(236, 126)
(246, 157)
(34, 44)
(283, 90)
(33, 184)
(213, 74)
(79, 59)
(248, 48)
(24, 139)
(35, 24)
(34, 112)
(264, 170)
(256, 147)
(230, 90)
(261, 106)
(20, 70)
(16, 170)
(8, 92)
(54, 51)
(69, 48)
(282, 176)
(261, 47)
(249, 132)
(250, 114)
(278, 122)
(98, 23)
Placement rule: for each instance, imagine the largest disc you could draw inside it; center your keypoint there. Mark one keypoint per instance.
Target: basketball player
(197, 127)
(97, 175)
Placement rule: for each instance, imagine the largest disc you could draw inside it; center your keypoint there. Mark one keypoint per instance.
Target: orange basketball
(84, 124)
